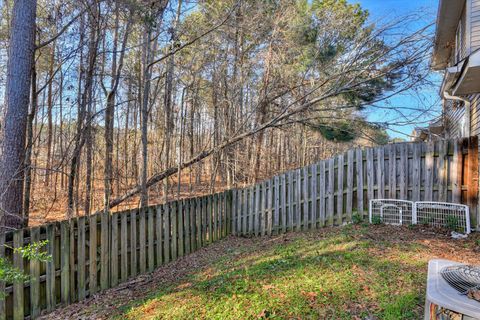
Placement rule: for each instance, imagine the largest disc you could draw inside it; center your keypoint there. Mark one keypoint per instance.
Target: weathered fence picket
(360, 182)
(114, 251)
(340, 171)
(93, 254)
(306, 196)
(35, 274)
(18, 299)
(81, 266)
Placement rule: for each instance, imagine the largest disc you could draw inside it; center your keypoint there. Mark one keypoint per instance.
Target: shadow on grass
(333, 277)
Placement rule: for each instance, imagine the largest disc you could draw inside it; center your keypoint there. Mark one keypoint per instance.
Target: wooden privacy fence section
(100, 251)
(331, 191)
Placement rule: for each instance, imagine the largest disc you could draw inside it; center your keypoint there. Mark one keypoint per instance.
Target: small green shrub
(376, 220)
(453, 224)
(428, 219)
(33, 251)
(357, 218)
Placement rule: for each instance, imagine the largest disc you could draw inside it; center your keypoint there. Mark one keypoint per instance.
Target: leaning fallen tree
(368, 64)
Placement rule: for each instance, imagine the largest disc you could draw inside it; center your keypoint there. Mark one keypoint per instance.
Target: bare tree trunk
(262, 115)
(144, 116)
(80, 135)
(49, 119)
(182, 118)
(88, 156)
(110, 108)
(19, 71)
(62, 149)
(168, 97)
(28, 155)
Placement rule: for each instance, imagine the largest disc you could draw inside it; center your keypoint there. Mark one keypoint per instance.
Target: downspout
(468, 104)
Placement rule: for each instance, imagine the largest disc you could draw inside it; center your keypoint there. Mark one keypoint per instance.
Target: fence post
(403, 170)
(472, 179)
(392, 168)
(341, 168)
(124, 246)
(18, 292)
(456, 169)
(50, 268)
(81, 263)
(306, 199)
(180, 230)
(142, 241)
(34, 278)
(429, 171)
(322, 191)
(93, 254)
(114, 250)
(276, 206)
(251, 209)
(105, 245)
(360, 205)
(330, 192)
(416, 172)
(370, 175)
(228, 211)
(349, 203)
(133, 242)
(283, 205)
(298, 224)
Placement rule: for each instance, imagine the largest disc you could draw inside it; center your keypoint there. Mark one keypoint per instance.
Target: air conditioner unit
(442, 301)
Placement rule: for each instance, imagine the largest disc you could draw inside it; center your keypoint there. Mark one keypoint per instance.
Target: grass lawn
(353, 272)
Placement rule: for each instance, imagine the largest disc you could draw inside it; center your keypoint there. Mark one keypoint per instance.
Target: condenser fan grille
(463, 278)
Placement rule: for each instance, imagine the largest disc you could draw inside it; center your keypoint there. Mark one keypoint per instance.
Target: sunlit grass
(340, 275)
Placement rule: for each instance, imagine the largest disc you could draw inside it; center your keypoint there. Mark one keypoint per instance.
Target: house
(457, 53)
(434, 131)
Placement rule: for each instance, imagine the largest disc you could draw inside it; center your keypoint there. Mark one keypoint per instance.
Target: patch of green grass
(400, 307)
(339, 275)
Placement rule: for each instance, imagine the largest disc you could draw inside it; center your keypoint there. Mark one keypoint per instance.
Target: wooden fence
(331, 191)
(100, 251)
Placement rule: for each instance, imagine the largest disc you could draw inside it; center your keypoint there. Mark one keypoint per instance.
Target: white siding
(475, 25)
(474, 114)
(453, 118)
(463, 35)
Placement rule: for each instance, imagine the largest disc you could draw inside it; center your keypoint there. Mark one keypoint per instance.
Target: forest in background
(125, 94)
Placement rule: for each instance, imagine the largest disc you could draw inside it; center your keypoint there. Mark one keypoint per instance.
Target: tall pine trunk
(19, 71)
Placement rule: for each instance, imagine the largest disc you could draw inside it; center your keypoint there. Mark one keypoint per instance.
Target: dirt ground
(113, 302)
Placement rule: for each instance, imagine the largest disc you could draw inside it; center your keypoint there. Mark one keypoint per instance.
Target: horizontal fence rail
(100, 251)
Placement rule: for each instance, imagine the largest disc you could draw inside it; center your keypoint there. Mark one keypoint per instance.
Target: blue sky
(382, 7)
(426, 98)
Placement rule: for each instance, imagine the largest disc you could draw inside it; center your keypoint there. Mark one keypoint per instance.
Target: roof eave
(449, 13)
